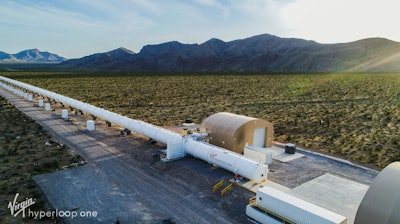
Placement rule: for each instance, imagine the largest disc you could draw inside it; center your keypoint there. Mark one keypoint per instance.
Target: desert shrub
(75, 159)
(352, 114)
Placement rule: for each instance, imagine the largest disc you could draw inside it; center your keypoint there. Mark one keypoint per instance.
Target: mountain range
(261, 53)
(30, 56)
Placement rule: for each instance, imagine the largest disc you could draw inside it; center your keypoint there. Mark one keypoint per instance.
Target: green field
(354, 116)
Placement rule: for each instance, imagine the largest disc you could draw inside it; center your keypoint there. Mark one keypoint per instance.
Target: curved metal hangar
(234, 132)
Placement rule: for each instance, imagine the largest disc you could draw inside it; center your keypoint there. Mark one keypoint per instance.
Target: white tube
(196, 135)
(228, 160)
(223, 158)
(152, 131)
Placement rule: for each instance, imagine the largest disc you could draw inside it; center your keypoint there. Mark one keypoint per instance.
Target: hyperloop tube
(228, 160)
(212, 154)
(152, 131)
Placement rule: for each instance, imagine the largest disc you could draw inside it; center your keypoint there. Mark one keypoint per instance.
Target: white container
(90, 125)
(47, 106)
(64, 114)
(295, 209)
(262, 156)
(41, 103)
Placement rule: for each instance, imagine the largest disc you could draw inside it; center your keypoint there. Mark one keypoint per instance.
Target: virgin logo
(18, 207)
(213, 155)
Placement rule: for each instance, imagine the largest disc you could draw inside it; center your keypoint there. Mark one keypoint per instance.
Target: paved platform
(334, 193)
(280, 155)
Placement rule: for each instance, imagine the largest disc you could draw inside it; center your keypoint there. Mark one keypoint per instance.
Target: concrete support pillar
(47, 107)
(90, 125)
(64, 114)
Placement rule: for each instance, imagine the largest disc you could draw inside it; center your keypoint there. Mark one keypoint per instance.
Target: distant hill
(30, 56)
(117, 59)
(261, 53)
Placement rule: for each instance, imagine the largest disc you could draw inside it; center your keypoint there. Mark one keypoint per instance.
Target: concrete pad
(280, 155)
(333, 193)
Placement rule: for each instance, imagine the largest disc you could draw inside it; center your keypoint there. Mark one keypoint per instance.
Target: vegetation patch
(26, 149)
(354, 116)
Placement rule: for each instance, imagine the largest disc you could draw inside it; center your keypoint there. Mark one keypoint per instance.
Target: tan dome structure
(381, 203)
(233, 132)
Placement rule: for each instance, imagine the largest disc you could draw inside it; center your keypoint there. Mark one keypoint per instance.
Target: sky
(76, 28)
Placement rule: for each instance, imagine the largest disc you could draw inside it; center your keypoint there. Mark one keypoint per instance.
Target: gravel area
(125, 180)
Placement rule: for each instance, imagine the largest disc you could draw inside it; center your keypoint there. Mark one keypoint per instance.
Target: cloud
(81, 27)
(341, 20)
(223, 8)
(78, 25)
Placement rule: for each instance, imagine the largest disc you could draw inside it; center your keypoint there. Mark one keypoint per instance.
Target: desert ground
(125, 180)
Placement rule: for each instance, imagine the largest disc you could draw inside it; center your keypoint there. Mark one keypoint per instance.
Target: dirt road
(114, 184)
